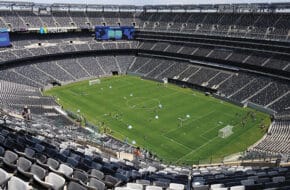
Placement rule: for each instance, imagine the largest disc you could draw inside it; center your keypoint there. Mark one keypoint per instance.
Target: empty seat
(143, 182)
(96, 184)
(214, 186)
(40, 158)
(39, 148)
(64, 170)
(238, 187)
(162, 184)
(53, 181)
(97, 174)
(10, 159)
(75, 186)
(4, 177)
(2, 152)
(23, 166)
(273, 173)
(201, 187)
(2, 139)
(278, 179)
(81, 176)
(56, 180)
(135, 186)
(121, 177)
(111, 181)
(29, 153)
(151, 187)
(50, 163)
(176, 186)
(248, 182)
(38, 172)
(72, 162)
(15, 183)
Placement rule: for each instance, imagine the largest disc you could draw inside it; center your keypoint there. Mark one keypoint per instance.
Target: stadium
(152, 97)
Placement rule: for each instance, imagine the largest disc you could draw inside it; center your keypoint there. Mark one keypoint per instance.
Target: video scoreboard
(114, 33)
(4, 38)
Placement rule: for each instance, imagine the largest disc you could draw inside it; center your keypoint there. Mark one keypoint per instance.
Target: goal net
(96, 81)
(226, 131)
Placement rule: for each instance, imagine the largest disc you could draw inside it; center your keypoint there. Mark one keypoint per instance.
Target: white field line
(197, 148)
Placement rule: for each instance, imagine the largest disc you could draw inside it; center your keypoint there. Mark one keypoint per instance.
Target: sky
(152, 2)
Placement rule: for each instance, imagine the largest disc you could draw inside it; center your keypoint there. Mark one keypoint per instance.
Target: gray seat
(4, 132)
(50, 163)
(121, 177)
(81, 176)
(96, 165)
(97, 174)
(38, 172)
(238, 187)
(96, 184)
(212, 186)
(150, 187)
(201, 187)
(15, 183)
(2, 152)
(279, 179)
(143, 182)
(2, 139)
(273, 173)
(23, 166)
(29, 153)
(10, 158)
(75, 186)
(64, 170)
(162, 184)
(72, 162)
(52, 181)
(57, 181)
(111, 181)
(135, 186)
(39, 148)
(4, 177)
(176, 186)
(218, 188)
(248, 182)
(40, 158)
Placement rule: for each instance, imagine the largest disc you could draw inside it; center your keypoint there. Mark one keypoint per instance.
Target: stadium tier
(226, 64)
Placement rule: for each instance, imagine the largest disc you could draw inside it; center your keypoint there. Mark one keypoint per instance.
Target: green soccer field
(176, 124)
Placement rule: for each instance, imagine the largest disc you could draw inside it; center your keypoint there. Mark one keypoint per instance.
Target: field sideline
(151, 114)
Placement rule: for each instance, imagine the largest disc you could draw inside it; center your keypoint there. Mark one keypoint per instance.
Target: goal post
(226, 131)
(95, 81)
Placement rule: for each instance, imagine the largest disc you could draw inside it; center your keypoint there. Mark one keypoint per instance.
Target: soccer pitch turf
(178, 125)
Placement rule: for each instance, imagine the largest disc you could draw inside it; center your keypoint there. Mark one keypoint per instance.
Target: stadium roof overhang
(185, 7)
(240, 6)
(95, 6)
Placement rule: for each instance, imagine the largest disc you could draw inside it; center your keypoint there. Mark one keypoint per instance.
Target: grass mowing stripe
(197, 139)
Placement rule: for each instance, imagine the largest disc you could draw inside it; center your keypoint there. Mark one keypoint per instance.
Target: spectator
(26, 114)
(137, 153)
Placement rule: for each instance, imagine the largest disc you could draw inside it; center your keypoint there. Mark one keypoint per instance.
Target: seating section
(265, 26)
(239, 87)
(276, 140)
(226, 53)
(39, 161)
(258, 25)
(23, 46)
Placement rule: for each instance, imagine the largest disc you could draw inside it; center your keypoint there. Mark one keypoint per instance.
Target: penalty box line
(190, 121)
